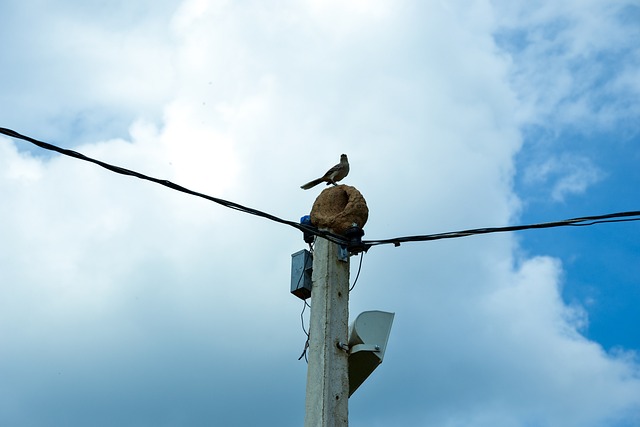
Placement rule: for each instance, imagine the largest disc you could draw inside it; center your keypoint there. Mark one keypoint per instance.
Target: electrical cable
(367, 244)
(306, 343)
(575, 222)
(358, 274)
(232, 205)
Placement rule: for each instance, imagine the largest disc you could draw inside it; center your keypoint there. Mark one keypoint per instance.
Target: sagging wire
(123, 171)
(358, 274)
(306, 343)
(366, 244)
(304, 307)
(573, 222)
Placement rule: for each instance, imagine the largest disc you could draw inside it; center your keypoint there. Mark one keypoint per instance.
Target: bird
(333, 175)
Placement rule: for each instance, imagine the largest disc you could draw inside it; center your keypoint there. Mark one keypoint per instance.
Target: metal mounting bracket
(343, 253)
(364, 347)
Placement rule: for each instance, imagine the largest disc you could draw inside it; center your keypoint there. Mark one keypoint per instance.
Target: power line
(358, 273)
(396, 241)
(574, 222)
(232, 205)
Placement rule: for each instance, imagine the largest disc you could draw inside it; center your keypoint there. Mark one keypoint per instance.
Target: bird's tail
(312, 184)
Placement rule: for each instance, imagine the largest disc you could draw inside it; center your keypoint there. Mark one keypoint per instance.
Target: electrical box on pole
(301, 269)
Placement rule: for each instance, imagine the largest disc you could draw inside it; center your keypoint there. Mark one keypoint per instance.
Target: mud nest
(338, 208)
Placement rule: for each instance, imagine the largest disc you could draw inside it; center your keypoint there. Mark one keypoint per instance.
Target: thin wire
(573, 222)
(232, 205)
(396, 241)
(358, 274)
(304, 352)
(306, 343)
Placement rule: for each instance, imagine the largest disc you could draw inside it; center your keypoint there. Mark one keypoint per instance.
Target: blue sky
(600, 261)
(124, 303)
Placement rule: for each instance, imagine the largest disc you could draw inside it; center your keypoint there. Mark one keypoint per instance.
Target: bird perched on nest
(333, 175)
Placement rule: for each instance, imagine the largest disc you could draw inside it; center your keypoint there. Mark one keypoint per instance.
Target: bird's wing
(332, 170)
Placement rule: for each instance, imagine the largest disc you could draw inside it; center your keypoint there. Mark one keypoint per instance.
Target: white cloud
(565, 175)
(152, 307)
(572, 59)
(88, 70)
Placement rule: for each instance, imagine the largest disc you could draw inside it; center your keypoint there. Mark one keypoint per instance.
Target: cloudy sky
(123, 303)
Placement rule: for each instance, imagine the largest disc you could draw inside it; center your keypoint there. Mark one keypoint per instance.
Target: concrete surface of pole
(327, 395)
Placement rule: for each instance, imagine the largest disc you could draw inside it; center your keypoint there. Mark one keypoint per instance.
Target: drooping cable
(396, 241)
(306, 343)
(575, 222)
(358, 273)
(120, 170)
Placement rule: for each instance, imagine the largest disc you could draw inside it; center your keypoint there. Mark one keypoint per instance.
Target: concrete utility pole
(327, 375)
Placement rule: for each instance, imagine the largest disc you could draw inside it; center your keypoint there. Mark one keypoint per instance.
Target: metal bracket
(343, 253)
(365, 347)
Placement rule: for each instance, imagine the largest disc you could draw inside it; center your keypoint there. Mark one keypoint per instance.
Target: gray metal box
(301, 268)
